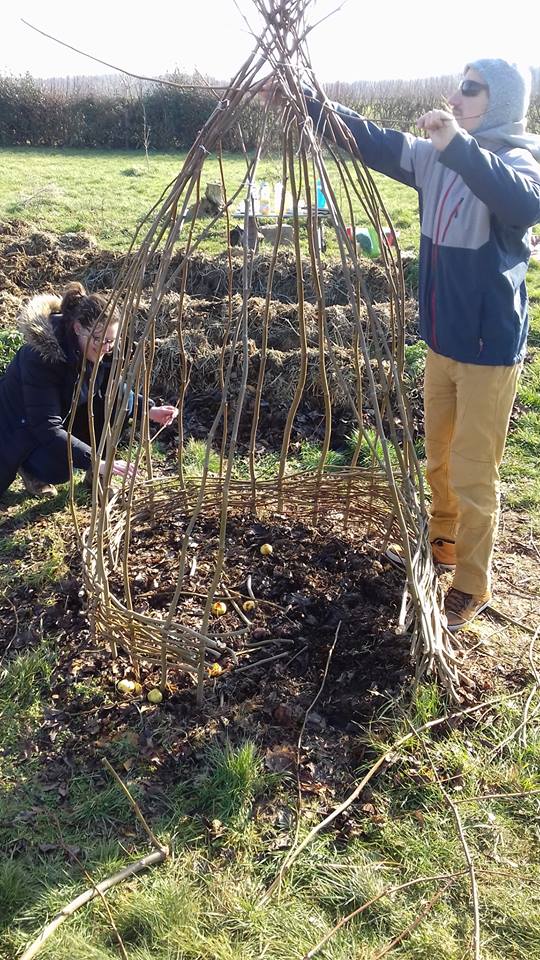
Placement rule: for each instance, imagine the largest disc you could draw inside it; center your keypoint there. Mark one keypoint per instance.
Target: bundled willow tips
(385, 499)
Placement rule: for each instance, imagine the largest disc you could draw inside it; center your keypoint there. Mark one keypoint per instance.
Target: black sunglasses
(471, 88)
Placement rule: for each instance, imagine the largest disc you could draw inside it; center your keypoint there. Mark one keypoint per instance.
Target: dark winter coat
(36, 393)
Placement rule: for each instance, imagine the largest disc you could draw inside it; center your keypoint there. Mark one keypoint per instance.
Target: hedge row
(163, 117)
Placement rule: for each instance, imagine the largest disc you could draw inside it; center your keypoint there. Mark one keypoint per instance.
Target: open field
(108, 193)
(452, 818)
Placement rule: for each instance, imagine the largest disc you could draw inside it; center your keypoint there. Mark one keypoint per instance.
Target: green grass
(26, 681)
(521, 480)
(234, 778)
(10, 341)
(304, 456)
(205, 901)
(81, 190)
(35, 553)
(96, 191)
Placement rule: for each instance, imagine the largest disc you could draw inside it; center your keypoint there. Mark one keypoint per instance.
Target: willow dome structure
(383, 499)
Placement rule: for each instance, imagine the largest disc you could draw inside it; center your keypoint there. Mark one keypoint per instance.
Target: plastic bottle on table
(264, 199)
(254, 197)
(376, 249)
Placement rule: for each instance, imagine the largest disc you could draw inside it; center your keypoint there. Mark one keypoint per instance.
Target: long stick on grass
(101, 895)
(415, 923)
(523, 794)
(100, 888)
(468, 857)
(390, 891)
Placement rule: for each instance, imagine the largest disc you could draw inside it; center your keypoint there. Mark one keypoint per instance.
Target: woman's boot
(35, 487)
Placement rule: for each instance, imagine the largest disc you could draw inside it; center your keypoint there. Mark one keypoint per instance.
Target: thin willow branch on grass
(532, 661)
(523, 794)
(388, 892)
(506, 616)
(415, 923)
(528, 715)
(99, 889)
(136, 809)
(99, 892)
(476, 944)
(407, 884)
(96, 890)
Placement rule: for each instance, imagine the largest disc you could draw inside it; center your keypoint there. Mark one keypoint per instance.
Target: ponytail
(72, 294)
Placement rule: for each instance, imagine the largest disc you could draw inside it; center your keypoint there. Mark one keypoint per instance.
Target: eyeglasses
(96, 339)
(471, 88)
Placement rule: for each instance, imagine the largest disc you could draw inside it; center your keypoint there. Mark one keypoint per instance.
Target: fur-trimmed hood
(35, 323)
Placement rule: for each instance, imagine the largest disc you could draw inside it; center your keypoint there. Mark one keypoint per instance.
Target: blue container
(322, 203)
(364, 240)
(368, 241)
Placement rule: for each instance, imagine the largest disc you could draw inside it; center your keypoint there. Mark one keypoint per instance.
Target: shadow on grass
(32, 509)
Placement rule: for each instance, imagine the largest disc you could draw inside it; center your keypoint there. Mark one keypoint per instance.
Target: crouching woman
(38, 389)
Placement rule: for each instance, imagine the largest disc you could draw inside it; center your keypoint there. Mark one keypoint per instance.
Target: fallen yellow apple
(154, 696)
(248, 605)
(215, 670)
(266, 549)
(219, 608)
(125, 686)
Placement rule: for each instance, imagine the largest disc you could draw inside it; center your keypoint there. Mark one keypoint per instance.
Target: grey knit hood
(504, 122)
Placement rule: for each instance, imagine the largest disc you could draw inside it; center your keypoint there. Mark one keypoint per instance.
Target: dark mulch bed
(36, 260)
(315, 584)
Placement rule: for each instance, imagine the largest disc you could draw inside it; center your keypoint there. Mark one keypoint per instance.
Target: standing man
(478, 181)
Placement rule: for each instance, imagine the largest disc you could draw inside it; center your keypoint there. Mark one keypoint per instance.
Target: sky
(361, 40)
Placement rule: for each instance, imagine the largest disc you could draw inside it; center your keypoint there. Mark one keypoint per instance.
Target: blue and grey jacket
(476, 209)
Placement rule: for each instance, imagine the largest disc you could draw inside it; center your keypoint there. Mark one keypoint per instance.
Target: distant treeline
(112, 113)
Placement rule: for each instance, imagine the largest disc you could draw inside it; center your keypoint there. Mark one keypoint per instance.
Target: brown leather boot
(444, 553)
(461, 608)
(35, 487)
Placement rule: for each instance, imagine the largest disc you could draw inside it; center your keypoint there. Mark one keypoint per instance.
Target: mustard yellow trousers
(467, 411)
